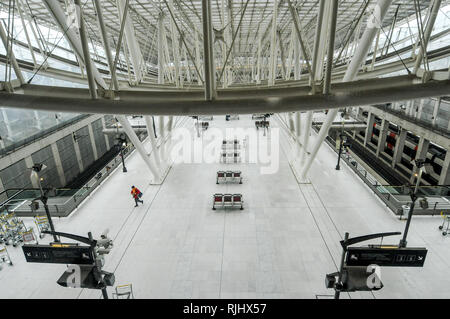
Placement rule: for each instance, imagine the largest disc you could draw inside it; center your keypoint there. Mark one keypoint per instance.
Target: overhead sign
(386, 256)
(59, 254)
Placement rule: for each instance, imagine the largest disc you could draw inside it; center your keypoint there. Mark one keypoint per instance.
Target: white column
(437, 104)
(369, 128)
(309, 118)
(139, 147)
(273, 46)
(106, 136)
(382, 137)
(29, 164)
(162, 153)
(160, 49)
(91, 136)
(133, 47)
(59, 167)
(151, 134)
(175, 47)
(422, 150)
(374, 23)
(434, 10)
(7, 123)
(12, 58)
(399, 146)
(78, 155)
(444, 179)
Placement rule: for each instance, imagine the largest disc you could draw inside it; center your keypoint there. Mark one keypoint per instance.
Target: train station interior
(224, 149)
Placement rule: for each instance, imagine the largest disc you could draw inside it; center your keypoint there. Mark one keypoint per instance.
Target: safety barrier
(229, 177)
(223, 201)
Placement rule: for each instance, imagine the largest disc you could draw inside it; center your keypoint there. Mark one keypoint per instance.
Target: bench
(229, 177)
(223, 201)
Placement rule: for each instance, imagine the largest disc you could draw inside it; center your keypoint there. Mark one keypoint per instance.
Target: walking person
(137, 194)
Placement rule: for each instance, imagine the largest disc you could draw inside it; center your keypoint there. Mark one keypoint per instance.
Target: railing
(397, 198)
(61, 202)
(422, 123)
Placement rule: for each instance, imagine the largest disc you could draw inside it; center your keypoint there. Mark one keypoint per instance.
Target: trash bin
(405, 210)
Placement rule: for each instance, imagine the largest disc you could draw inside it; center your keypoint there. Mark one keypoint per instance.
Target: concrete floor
(280, 246)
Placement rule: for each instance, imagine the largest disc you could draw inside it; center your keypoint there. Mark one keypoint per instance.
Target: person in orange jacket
(137, 194)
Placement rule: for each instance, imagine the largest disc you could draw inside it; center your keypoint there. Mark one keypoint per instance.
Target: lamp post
(35, 170)
(421, 165)
(120, 142)
(341, 142)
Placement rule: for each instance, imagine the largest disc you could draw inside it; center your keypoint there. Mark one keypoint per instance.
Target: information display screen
(386, 256)
(61, 254)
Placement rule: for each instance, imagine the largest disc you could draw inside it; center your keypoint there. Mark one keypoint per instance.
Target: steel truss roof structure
(163, 45)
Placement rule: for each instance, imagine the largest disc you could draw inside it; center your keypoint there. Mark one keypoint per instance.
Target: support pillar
(427, 33)
(106, 136)
(12, 57)
(78, 156)
(273, 46)
(162, 153)
(151, 134)
(29, 164)
(437, 104)
(444, 178)
(55, 9)
(105, 40)
(369, 128)
(208, 56)
(382, 137)
(399, 146)
(59, 167)
(422, 150)
(139, 147)
(91, 136)
(175, 47)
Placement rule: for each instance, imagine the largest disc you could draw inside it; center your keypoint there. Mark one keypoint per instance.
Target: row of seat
(230, 157)
(262, 124)
(230, 154)
(232, 142)
(228, 201)
(229, 177)
(257, 116)
(229, 117)
(203, 125)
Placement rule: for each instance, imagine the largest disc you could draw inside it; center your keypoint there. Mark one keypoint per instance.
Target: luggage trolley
(445, 227)
(12, 229)
(4, 257)
(3, 237)
(42, 224)
(124, 292)
(13, 236)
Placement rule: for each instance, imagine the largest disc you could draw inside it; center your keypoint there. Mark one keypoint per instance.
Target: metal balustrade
(61, 202)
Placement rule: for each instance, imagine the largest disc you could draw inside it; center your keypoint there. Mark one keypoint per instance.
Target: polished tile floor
(280, 246)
